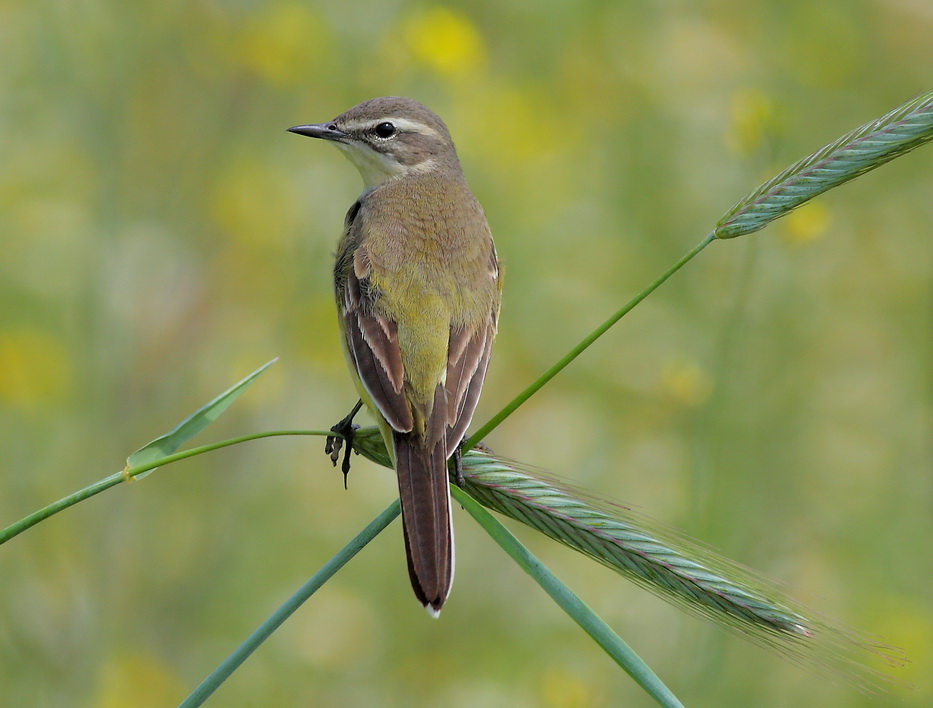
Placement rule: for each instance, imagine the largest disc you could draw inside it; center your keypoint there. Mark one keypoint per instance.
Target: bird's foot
(343, 439)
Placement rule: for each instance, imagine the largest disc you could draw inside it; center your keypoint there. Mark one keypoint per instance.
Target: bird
(418, 286)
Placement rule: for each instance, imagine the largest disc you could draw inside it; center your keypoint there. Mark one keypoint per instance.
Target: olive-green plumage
(417, 286)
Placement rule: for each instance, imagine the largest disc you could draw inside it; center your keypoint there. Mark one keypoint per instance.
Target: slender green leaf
(192, 425)
(120, 477)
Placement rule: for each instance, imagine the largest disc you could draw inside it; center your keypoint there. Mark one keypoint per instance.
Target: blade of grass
(232, 662)
(128, 473)
(588, 620)
(192, 425)
(158, 452)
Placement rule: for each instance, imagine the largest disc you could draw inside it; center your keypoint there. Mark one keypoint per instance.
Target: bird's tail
(429, 535)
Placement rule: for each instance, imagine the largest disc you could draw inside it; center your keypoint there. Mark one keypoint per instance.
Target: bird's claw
(343, 439)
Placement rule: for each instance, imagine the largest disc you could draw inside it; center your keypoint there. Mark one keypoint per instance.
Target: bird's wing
(467, 362)
(372, 341)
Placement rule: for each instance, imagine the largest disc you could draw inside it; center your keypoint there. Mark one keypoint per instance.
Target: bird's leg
(345, 430)
(457, 461)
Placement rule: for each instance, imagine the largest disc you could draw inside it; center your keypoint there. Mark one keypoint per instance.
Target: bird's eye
(385, 130)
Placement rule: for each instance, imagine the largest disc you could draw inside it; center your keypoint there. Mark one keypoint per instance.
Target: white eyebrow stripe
(405, 124)
(412, 126)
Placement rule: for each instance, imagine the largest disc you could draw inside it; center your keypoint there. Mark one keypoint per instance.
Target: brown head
(388, 138)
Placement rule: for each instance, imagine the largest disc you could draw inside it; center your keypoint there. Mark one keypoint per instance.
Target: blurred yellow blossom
(753, 119)
(806, 224)
(34, 367)
(283, 42)
(511, 145)
(686, 382)
(446, 41)
(562, 689)
(138, 680)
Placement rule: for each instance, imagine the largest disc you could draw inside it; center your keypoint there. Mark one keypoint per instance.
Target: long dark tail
(429, 536)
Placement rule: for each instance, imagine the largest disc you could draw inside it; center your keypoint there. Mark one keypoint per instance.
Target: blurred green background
(161, 235)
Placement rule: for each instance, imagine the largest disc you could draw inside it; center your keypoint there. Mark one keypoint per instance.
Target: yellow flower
(446, 41)
(754, 119)
(283, 43)
(137, 680)
(807, 223)
(686, 382)
(34, 368)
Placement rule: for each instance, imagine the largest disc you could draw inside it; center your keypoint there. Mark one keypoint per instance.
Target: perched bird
(418, 286)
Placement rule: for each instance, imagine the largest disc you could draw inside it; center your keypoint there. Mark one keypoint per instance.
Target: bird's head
(388, 138)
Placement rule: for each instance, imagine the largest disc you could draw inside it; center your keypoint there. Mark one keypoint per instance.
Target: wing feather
(372, 341)
(468, 360)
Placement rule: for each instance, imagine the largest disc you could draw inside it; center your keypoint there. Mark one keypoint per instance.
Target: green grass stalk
(275, 620)
(130, 472)
(588, 620)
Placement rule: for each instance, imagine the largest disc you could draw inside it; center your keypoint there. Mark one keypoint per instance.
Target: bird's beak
(325, 131)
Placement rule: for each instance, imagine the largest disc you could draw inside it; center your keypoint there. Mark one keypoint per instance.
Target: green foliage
(165, 445)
